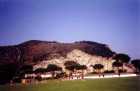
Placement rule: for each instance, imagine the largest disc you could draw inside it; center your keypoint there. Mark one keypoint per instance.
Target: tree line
(7, 71)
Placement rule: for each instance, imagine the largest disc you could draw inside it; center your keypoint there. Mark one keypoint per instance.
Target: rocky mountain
(34, 51)
(48, 50)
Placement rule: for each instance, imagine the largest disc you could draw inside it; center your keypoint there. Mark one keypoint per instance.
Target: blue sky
(113, 22)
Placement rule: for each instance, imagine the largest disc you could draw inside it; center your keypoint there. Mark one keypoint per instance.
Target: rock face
(80, 57)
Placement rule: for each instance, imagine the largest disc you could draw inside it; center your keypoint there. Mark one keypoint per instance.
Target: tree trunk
(99, 72)
(53, 73)
(118, 71)
(82, 74)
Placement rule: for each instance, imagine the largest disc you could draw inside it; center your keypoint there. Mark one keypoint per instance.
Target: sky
(112, 22)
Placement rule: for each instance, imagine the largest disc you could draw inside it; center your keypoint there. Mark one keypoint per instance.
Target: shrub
(109, 71)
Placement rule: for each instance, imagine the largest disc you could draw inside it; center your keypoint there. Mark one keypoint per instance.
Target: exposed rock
(42, 53)
(80, 57)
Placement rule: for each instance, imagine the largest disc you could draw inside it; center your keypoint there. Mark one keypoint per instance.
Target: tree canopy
(136, 63)
(71, 65)
(124, 58)
(53, 67)
(117, 64)
(98, 66)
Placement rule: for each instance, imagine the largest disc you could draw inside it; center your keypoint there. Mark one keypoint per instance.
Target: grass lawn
(109, 84)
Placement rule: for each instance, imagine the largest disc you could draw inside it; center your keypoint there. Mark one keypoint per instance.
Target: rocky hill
(35, 51)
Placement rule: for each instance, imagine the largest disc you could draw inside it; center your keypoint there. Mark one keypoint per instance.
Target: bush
(109, 71)
(61, 75)
(122, 71)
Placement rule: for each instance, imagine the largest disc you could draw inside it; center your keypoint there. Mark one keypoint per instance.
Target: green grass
(112, 84)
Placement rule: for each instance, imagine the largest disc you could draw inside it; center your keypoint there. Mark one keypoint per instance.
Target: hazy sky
(113, 22)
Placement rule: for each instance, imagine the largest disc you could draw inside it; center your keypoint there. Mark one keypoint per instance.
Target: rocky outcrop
(80, 57)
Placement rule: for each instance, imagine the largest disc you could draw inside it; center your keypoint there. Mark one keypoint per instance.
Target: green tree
(26, 69)
(122, 58)
(7, 72)
(136, 63)
(52, 68)
(40, 70)
(71, 65)
(81, 67)
(98, 67)
(117, 64)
